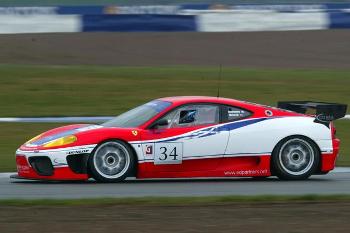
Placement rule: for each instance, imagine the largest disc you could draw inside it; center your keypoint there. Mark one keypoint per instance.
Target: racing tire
(111, 161)
(295, 158)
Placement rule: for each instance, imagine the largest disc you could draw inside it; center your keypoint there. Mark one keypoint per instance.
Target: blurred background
(73, 58)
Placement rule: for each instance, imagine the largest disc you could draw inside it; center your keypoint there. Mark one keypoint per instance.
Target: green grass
(90, 90)
(343, 133)
(12, 135)
(214, 200)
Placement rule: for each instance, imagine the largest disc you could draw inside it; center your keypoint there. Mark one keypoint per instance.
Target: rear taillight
(334, 130)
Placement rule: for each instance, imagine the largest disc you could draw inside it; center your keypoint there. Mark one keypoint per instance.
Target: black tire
(295, 158)
(111, 161)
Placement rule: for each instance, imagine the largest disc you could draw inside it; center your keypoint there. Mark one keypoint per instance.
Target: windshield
(139, 115)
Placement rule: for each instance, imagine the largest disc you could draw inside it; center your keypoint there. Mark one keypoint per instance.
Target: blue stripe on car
(56, 136)
(216, 129)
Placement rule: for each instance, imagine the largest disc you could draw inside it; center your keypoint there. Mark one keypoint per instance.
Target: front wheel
(111, 161)
(295, 158)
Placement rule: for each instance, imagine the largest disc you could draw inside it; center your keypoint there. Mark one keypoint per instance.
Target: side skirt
(240, 166)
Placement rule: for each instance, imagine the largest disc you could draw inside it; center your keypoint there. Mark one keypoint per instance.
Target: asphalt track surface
(336, 182)
(287, 49)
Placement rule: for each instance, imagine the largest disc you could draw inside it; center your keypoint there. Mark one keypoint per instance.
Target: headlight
(61, 141)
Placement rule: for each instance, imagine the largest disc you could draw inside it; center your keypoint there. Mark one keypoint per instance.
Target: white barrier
(39, 23)
(261, 21)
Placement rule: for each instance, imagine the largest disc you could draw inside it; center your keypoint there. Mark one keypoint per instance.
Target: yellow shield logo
(134, 132)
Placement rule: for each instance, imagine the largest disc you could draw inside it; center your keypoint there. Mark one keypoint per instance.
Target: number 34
(172, 154)
(168, 153)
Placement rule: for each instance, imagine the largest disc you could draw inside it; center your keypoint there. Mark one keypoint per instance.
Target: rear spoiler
(325, 112)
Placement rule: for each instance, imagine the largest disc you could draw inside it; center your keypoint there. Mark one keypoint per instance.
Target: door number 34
(168, 153)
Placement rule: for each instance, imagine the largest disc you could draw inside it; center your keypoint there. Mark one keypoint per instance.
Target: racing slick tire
(111, 161)
(295, 158)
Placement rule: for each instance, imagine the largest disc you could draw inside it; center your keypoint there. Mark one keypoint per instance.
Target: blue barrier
(80, 10)
(142, 23)
(339, 20)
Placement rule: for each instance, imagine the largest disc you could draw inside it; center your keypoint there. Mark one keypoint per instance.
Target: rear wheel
(295, 158)
(111, 161)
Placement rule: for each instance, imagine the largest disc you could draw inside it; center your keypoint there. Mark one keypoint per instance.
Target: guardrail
(183, 17)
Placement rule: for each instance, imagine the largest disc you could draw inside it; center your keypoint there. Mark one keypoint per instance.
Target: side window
(234, 114)
(192, 115)
(207, 114)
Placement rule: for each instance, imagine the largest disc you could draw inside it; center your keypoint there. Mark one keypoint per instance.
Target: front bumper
(58, 164)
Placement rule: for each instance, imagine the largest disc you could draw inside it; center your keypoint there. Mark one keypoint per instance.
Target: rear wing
(325, 112)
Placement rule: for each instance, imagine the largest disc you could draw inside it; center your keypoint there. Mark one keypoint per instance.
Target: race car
(187, 137)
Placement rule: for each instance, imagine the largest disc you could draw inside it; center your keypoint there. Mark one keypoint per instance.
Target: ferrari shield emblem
(134, 132)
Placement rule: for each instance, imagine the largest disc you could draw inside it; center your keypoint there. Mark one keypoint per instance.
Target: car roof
(258, 109)
(178, 100)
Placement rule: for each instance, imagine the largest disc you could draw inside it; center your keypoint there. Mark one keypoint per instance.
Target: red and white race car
(184, 137)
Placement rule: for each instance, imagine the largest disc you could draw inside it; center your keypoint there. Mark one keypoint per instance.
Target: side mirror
(162, 122)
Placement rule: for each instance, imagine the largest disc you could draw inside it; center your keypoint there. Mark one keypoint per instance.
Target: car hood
(86, 135)
(60, 132)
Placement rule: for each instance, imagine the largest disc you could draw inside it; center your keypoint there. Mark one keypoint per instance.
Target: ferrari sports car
(189, 136)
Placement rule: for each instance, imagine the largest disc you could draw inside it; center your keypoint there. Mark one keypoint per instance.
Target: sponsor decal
(59, 162)
(149, 150)
(324, 118)
(23, 168)
(246, 172)
(236, 113)
(27, 10)
(155, 10)
(281, 7)
(268, 113)
(219, 7)
(73, 152)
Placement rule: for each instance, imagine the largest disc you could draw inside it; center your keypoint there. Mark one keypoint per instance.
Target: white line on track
(6, 175)
(341, 170)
